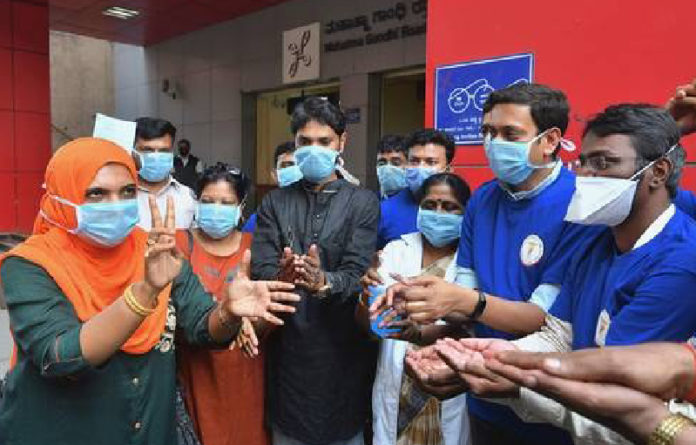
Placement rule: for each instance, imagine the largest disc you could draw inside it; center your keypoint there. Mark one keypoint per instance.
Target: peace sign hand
(163, 260)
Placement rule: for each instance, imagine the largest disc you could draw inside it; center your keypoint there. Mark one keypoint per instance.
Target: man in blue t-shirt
(392, 157)
(429, 151)
(514, 247)
(634, 283)
(285, 172)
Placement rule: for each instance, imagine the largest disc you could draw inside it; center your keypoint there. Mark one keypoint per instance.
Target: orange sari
(223, 389)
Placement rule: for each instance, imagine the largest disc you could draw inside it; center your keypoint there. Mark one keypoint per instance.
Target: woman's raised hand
(163, 260)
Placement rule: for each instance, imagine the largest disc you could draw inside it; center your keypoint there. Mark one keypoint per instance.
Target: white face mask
(601, 201)
(604, 201)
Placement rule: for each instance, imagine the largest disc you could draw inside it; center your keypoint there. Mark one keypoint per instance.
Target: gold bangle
(667, 431)
(133, 303)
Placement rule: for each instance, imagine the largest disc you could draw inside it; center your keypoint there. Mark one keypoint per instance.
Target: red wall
(25, 110)
(597, 51)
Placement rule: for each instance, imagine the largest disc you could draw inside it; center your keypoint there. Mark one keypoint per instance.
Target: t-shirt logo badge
(532, 250)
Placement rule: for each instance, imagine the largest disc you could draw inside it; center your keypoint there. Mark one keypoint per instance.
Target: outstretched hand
(633, 413)
(467, 358)
(433, 375)
(664, 370)
(247, 298)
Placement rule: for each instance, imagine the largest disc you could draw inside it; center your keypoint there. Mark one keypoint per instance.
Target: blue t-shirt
(646, 294)
(250, 225)
(686, 202)
(513, 246)
(398, 217)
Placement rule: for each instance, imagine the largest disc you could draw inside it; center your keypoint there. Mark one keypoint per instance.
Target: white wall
(213, 66)
(82, 84)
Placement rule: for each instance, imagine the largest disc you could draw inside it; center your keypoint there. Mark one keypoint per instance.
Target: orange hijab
(91, 277)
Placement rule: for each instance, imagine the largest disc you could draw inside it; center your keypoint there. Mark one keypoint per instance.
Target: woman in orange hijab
(94, 305)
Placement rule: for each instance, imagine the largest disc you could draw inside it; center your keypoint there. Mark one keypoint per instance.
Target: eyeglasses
(598, 162)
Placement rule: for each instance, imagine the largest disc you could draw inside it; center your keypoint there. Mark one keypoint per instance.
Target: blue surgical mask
(217, 220)
(439, 228)
(391, 178)
(510, 160)
(156, 167)
(288, 175)
(416, 176)
(105, 223)
(316, 163)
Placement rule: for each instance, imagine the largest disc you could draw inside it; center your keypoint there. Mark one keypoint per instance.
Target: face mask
(316, 163)
(510, 160)
(217, 220)
(415, 176)
(440, 229)
(391, 178)
(604, 201)
(156, 166)
(288, 175)
(104, 223)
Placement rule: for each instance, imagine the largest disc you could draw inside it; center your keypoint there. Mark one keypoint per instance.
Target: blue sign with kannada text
(463, 88)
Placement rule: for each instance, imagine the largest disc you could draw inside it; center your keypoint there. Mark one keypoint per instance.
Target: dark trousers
(486, 433)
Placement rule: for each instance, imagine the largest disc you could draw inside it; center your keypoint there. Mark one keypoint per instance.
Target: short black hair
(392, 142)
(239, 181)
(184, 141)
(431, 136)
(319, 110)
(549, 107)
(148, 128)
(652, 132)
(280, 150)
(459, 186)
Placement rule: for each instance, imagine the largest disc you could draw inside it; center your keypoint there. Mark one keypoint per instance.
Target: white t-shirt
(184, 204)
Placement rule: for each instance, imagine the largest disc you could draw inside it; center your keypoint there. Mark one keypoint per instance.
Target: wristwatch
(480, 306)
(667, 431)
(324, 291)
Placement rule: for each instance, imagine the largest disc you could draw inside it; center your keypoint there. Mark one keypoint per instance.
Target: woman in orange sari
(223, 389)
(94, 303)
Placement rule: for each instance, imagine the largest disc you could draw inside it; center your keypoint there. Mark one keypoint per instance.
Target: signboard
(301, 53)
(463, 88)
(400, 20)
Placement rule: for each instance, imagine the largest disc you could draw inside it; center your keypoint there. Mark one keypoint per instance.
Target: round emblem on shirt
(532, 250)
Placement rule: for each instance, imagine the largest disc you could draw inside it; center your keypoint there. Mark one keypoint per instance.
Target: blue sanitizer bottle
(383, 332)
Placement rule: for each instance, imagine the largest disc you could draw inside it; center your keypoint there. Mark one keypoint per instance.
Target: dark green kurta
(53, 396)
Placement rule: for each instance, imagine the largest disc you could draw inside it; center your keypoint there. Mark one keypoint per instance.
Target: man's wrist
(464, 299)
(477, 301)
(324, 287)
(643, 422)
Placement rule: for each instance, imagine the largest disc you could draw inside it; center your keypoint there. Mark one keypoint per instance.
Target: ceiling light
(121, 13)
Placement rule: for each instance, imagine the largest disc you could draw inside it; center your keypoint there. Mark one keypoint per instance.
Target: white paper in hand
(115, 130)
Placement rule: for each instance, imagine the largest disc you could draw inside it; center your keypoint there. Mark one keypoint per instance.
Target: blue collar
(543, 185)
